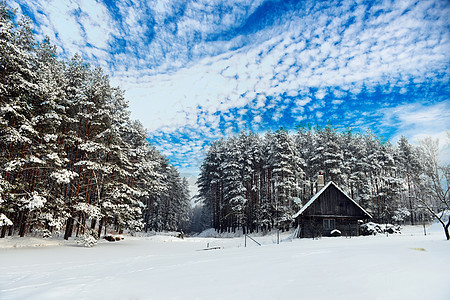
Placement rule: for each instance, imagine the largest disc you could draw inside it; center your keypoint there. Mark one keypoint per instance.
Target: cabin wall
(333, 202)
(314, 227)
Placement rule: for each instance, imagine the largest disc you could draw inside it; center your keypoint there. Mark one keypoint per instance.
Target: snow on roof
(319, 193)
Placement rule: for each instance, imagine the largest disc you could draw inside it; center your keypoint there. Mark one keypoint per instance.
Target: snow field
(407, 266)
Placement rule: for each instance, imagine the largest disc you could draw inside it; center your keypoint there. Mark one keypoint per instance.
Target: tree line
(258, 182)
(71, 158)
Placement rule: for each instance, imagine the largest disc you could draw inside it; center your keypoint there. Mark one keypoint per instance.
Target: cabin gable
(332, 202)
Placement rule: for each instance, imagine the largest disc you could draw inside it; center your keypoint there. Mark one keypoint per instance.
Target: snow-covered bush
(335, 232)
(372, 228)
(45, 233)
(88, 239)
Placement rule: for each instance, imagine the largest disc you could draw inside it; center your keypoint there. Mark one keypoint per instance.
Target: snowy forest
(258, 182)
(71, 160)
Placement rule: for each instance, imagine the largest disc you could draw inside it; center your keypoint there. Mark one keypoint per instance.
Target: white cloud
(365, 55)
(416, 121)
(319, 114)
(71, 25)
(320, 94)
(183, 62)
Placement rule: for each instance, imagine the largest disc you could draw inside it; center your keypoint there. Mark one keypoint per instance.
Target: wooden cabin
(330, 212)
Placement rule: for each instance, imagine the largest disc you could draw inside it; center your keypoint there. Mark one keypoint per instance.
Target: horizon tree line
(257, 182)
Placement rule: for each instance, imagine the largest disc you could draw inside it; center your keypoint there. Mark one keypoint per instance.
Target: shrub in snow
(372, 228)
(135, 226)
(335, 232)
(45, 233)
(88, 239)
(391, 229)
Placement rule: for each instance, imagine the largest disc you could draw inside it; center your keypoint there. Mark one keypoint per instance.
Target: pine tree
(210, 183)
(251, 173)
(409, 169)
(284, 166)
(16, 131)
(305, 143)
(328, 154)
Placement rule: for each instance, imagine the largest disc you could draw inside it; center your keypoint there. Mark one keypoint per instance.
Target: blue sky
(195, 71)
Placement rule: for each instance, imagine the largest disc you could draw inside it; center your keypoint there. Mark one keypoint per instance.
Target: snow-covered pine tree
(17, 86)
(391, 184)
(152, 178)
(328, 154)
(252, 168)
(409, 169)
(234, 197)
(359, 176)
(122, 204)
(305, 143)
(285, 172)
(175, 208)
(210, 183)
(49, 173)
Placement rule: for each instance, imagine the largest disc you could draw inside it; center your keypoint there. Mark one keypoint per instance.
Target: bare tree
(435, 181)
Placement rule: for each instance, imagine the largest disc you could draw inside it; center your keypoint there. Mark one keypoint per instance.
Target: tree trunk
(93, 223)
(78, 225)
(22, 225)
(69, 226)
(100, 225)
(410, 200)
(447, 234)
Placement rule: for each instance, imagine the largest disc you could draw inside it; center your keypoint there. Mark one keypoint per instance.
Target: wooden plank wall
(333, 202)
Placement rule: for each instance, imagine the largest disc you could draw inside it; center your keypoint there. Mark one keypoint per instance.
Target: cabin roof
(314, 198)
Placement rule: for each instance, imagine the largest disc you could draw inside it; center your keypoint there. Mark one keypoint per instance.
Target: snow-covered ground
(407, 266)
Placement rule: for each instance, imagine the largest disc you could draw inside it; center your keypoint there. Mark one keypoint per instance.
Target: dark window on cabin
(329, 224)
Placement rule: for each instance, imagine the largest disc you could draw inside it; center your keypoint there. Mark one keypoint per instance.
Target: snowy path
(169, 268)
